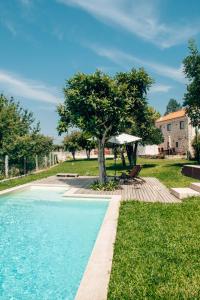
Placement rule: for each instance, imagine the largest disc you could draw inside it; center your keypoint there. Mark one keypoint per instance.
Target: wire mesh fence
(13, 167)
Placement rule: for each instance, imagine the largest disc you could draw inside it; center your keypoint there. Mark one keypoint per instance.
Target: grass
(157, 252)
(168, 171)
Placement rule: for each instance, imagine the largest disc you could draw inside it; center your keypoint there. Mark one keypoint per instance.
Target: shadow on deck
(152, 190)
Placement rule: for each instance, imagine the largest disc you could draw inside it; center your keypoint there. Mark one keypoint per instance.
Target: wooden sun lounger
(132, 175)
(67, 175)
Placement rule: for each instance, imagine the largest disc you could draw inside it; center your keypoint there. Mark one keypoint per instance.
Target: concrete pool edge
(95, 280)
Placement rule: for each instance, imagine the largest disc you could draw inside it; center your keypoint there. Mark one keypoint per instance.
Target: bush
(111, 185)
(196, 147)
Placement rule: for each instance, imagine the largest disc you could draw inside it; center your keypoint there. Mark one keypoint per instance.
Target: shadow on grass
(145, 166)
(180, 164)
(80, 160)
(117, 167)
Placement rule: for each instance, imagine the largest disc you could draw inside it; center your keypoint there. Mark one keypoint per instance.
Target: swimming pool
(45, 243)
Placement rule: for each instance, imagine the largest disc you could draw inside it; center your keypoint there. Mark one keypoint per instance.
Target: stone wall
(177, 139)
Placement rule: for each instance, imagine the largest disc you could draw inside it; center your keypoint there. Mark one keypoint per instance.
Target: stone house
(178, 133)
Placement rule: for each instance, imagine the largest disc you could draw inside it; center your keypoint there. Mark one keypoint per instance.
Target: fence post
(36, 163)
(50, 159)
(24, 165)
(6, 166)
(45, 162)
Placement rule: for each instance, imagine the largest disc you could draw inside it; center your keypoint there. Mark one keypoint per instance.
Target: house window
(176, 144)
(169, 127)
(182, 124)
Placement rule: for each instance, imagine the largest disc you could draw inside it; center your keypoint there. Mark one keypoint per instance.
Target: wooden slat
(152, 190)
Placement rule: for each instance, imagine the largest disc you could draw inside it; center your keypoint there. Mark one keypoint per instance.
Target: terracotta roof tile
(173, 115)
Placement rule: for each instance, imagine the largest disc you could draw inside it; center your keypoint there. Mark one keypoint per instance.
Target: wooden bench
(67, 175)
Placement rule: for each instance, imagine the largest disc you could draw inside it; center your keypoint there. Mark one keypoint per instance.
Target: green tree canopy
(192, 96)
(172, 106)
(20, 136)
(14, 122)
(102, 106)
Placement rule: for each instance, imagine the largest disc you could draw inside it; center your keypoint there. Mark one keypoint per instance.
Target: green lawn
(168, 171)
(157, 252)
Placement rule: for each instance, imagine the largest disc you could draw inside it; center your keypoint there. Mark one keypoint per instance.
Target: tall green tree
(172, 106)
(140, 121)
(14, 122)
(101, 105)
(192, 96)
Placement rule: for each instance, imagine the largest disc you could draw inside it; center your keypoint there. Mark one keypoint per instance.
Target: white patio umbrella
(122, 139)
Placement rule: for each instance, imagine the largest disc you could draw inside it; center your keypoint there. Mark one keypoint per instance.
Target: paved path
(152, 190)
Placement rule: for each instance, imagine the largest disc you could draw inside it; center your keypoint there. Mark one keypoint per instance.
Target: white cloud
(141, 18)
(17, 86)
(126, 61)
(160, 88)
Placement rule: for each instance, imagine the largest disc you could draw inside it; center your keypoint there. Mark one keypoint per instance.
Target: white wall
(147, 149)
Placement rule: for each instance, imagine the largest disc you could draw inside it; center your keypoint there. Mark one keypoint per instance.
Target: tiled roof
(173, 115)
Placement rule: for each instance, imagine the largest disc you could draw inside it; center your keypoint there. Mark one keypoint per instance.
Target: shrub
(111, 185)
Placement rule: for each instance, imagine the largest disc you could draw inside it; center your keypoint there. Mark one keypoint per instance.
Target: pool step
(195, 186)
(182, 193)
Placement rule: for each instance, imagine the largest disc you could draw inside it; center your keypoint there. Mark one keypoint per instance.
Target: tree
(87, 143)
(71, 143)
(196, 146)
(101, 105)
(192, 96)
(172, 106)
(20, 136)
(141, 117)
(14, 122)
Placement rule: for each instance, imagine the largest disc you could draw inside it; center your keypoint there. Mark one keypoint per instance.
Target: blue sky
(44, 42)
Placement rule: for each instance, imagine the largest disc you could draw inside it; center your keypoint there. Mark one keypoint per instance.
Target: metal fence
(10, 167)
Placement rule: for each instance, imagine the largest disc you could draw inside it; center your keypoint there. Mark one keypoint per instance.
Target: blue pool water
(45, 243)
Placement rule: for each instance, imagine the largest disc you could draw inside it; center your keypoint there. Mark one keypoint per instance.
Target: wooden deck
(152, 190)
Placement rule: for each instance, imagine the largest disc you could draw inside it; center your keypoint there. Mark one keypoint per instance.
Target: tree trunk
(135, 154)
(88, 153)
(101, 161)
(122, 157)
(129, 150)
(73, 155)
(197, 145)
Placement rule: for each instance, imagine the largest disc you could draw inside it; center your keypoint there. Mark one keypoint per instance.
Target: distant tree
(30, 146)
(71, 143)
(172, 106)
(87, 143)
(192, 96)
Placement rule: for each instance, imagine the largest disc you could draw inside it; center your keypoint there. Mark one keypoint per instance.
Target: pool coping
(95, 280)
